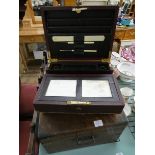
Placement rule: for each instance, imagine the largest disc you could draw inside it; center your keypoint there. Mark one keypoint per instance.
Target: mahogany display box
(78, 78)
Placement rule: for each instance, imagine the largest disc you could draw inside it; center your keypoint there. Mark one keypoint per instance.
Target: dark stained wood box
(59, 132)
(79, 40)
(82, 102)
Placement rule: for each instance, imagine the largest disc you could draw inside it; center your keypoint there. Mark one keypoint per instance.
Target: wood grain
(64, 132)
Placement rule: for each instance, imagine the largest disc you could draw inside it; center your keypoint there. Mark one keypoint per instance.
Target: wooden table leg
(22, 57)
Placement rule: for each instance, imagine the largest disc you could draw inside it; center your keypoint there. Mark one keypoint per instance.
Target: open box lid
(85, 32)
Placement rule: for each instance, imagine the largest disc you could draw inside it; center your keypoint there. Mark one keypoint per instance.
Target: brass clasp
(78, 10)
(78, 102)
(53, 60)
(105, 60)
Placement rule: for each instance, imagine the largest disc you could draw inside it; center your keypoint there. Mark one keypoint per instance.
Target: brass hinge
(53, 60)
(105, 60)
(78, 10)
(78, 102)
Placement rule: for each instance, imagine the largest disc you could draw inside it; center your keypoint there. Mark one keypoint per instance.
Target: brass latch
(78, 10)
(78, 102)
(105, 60)
(53, 60)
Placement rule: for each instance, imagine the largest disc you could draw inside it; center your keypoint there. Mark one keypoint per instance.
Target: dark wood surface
(31, 148)
(73, 67)
(62, 21)
(57, 124)
(58, 132)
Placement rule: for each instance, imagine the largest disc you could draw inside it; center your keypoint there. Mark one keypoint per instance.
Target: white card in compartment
(65, 88)
(63, 38)
(94, 38)
(96, 88)
(92, 51)
(98, 123)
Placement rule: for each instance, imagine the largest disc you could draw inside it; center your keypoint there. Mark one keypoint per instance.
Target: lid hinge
(53, 60)
(105, 60)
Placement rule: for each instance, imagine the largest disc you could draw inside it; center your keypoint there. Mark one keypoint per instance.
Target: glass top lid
(68, 88)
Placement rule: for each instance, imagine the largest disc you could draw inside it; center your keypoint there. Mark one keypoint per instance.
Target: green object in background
(126, 146)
